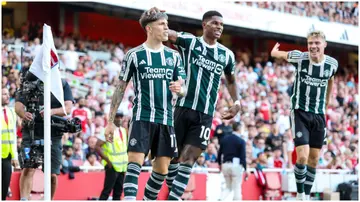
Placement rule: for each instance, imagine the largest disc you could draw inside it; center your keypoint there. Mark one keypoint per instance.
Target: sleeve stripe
(125, 78)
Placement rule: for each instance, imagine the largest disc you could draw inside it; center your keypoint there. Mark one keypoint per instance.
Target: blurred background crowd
(341, 12)
(264, 85)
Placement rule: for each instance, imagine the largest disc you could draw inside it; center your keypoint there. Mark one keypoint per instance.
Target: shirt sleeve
(294, 56)
(128, 67)
(179, 71)
(230, 65)
(334, 67)
(68, 93)
(184, 40)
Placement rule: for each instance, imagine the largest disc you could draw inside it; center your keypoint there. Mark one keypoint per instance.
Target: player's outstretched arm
(115, 103)
(276, 53)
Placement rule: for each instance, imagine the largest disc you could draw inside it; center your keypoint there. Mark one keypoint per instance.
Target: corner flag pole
(47, 114)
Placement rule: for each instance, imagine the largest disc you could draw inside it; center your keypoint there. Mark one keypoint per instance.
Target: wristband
(237, 102)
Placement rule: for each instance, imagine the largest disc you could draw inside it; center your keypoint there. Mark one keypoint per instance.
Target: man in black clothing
(26, 178)
(232, 161)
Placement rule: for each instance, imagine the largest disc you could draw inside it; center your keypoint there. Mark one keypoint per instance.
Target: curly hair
(147, 18)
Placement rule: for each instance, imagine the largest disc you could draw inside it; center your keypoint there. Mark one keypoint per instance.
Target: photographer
(22, 110)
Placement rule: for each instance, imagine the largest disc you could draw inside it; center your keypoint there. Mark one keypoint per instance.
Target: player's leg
(180, 126)
(301, 140)
(138, 147)
(195, 142)
(27, 174)
(317, 136)
(163, 148)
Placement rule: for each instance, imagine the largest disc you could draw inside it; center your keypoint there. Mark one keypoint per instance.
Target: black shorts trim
(308, 128)
(158, 138)
(192, 127)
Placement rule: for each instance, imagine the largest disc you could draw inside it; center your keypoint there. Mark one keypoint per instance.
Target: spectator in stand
(210, 154)
(279, 161)
(36, 47)
(71, 58)
(259, 147)
(261, 161)
(264, 107)
(78, 153)
(84, 114)
(113, 67)
(91, 159)
(92, 147)
(274, 139)
(200, 165)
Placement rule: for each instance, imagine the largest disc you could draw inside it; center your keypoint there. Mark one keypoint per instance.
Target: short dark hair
(210, 14)
(146, 19)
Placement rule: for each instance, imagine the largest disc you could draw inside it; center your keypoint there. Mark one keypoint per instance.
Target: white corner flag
(40, 65)
(46, 67)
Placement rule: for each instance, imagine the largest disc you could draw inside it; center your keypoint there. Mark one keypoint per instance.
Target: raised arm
(276, 53)
(172, 36)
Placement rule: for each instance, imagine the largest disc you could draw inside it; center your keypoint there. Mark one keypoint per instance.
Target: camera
(33, 156)
(32, 89)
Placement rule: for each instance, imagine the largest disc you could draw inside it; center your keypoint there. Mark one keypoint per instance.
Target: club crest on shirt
(222, 58)
(170, 61)
(327, 73)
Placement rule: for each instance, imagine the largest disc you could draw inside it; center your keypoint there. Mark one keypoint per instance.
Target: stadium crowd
(264, 85)
(341, 12)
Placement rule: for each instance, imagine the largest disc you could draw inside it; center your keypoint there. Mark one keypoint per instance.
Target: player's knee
(313, 160)
(135, 157)
(301, 160)
(190, 154)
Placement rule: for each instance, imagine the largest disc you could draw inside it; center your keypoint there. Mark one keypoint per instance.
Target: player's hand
(28, 116)
(230, 113)
(109, 132)
(154, 10)
(15, 163)
(175, 86)
(275, 49)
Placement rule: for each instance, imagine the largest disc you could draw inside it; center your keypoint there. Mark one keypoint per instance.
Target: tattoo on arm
(116, 99)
